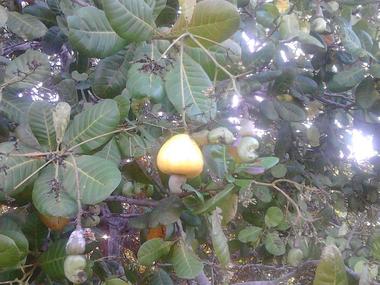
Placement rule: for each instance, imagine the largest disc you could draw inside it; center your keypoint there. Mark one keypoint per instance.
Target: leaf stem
(182, 86)
(31, 175)
(173, 43)
(99, 136)
(78, 196)
(230, 75)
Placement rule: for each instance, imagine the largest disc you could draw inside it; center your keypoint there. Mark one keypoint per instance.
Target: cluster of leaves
(134, 72)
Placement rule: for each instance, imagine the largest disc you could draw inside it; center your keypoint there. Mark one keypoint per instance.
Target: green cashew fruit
(246, 149)
(74, 268)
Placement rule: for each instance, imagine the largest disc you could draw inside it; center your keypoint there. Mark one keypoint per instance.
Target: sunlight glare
(361, 146)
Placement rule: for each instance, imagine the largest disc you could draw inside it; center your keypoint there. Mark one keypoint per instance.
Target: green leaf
(266, 162)
(152, 250)
(212, 202)
(250, 234)
(111, 74)
(274, 244)
(366, 94)
(53, 41)
(216, 20)
(124, 104)
(160, 277)
(375, 246)
(50, 201)
(290, 111)
(313, 136)
(186, 263)
(90, 33)
(41, 123)
(25, 26)
(67, 91)
(53, 259)
(310, 44)
(10, 255)
(305, 85)
(289, 26)
(20, 240)
(346, 80)
(375, 70)
(35, 231)
(17, 168)
(30, 68)
(93, 124)
(278, 171)
(187, 86)
(131, 19)
(42, 12)
(98, 178)
(3, 16)
(263, 193)
(157, 6)
(218, 238)
(266, 15)
(167, 212)
(273, 217)
(229, 207)
(228, 54)
(131, 145)
(16, 108)
(331, 269)
(268, 110)
(351, 41)
(142, 84)
(110, 152)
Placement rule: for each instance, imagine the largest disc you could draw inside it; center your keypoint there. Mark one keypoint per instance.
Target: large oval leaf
(111, 74)
(10, 255)
(218, 238)
(160, 277)
(227, 54)
(290, 111)
(152, 250)
(53, 259)
(98, 178)
(141, 84)
(131, 19)
(331, 269)
(250, 234)
(25, 26)
(90, 33)
(30, 68)
(366, 94)
(50, 200)
(186, 263)
(20, 240)
(16, 168)
(193, 97)
(41, 123)
(110, 152)
(345, 80)
(95, 121)
(215, 20)
(16, 108)
(274, 244)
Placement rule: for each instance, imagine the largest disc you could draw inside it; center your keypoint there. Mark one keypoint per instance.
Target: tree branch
(132, 201)
(292, 273)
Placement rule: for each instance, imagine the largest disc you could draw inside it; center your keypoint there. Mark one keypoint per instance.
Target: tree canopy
(189, 142)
